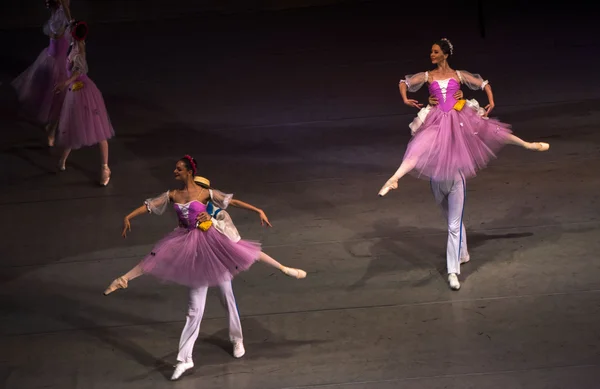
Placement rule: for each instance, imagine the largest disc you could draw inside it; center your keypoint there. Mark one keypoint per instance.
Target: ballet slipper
(391, 184)
(292, 272)
(540, 146)
(51, 134)
(105, 175)
(119, 283)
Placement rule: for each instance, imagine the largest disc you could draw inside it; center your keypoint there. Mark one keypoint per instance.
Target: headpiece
(449, 45)
(192, 164)
(79, 30)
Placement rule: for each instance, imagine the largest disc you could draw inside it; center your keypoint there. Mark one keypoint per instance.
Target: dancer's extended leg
(534, 146)
(392, 183)
(123, 281)
(288, 271)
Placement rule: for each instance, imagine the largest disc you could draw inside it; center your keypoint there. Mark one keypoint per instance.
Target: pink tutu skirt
(83, 120)
(455, 141)
(34, 87)
(198, 258)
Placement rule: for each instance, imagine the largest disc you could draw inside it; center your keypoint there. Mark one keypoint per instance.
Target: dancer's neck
(444, 67)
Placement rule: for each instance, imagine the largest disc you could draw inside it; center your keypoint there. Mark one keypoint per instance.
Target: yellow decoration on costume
(77, 86)
(204, 226)
(459, 104)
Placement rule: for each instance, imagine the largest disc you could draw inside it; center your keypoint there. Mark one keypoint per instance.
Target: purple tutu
(34, 87)
(196, 258)
(83, 120)
(451, 141)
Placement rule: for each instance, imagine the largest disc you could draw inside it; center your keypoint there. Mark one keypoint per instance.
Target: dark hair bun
(446, 46)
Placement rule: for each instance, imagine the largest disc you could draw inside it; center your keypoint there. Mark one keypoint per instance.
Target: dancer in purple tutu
(452, 141)
(83, 118)
(35, 86)
(204, 251)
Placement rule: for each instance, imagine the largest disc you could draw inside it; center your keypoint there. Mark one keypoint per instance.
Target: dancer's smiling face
(437, 55)
(181, 172)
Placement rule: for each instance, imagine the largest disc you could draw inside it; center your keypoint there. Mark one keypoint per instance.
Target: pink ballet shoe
(51, 133)
(540, 146)
(391, 184)
(119, 283)
(105, 175)
(62, 165)
(291, 272)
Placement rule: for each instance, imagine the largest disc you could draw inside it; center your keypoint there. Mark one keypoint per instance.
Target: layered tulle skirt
(84, 120)
(35, 86)
(455, 141)
(198, 258)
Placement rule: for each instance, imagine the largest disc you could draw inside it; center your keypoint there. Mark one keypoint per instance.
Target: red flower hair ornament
(79, 31)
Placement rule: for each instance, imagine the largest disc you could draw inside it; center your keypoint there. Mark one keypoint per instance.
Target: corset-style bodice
(444, 91)
(188, 212)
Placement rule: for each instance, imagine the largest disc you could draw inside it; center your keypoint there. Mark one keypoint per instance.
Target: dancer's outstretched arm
(126, 221)
(204, 216)
(263, 217)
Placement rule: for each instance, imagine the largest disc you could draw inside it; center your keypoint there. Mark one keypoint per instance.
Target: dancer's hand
(263, 219)
(59, 88)
(433, 100)
(488, 108)
(458, 95)
(413, 103)
(203, 217)
(126, 227)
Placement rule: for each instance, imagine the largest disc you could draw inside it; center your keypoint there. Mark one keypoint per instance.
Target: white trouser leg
(192, 324)
(451, 197)
(228, 301)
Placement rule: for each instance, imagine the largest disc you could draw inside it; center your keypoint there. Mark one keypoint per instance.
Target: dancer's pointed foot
(119, 283)
(62, 165)
(51, 133)
(181, 368)
(291, 272)
(104, 175)
(391, 184)
(539, 146)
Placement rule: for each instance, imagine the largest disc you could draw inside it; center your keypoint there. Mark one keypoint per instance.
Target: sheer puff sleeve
(223, 223)
(158, 205)
(473, 81)
(414, 82)
(220, 199)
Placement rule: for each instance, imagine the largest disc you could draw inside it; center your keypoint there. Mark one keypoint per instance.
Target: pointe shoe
(391, 184)
(62, 165)
(453, 281)
(51, 133)
(540, 146)
(181, 368)
(105, 175)
(291, 272)
(119, 283)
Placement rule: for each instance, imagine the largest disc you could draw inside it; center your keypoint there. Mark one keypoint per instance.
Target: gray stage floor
(298, 113)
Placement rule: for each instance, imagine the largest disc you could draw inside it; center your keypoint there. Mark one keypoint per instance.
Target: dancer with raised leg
(452, 141)
(206, 250)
